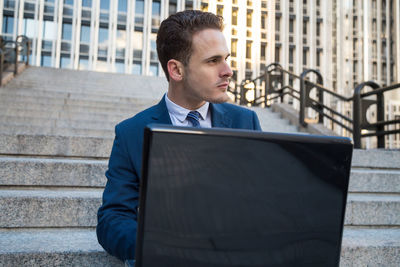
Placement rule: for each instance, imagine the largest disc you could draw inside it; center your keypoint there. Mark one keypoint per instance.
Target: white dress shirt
(178, 114)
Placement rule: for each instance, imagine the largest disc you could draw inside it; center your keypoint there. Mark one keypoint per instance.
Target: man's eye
(214, 60)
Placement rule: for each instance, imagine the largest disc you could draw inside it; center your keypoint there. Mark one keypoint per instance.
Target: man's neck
(185, 102)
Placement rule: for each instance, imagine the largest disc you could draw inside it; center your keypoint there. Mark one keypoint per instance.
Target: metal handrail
(275, 88)
(10, 55)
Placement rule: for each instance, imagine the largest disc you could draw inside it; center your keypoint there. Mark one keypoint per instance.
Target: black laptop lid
(218, 197)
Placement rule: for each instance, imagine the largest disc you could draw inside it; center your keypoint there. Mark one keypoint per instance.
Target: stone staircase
(56, 132)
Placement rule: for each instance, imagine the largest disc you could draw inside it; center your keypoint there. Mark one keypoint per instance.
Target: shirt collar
(181, 113)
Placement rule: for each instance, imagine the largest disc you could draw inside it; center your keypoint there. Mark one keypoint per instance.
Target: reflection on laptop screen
(214, 197)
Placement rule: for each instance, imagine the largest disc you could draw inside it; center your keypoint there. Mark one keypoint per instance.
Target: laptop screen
(218, 197)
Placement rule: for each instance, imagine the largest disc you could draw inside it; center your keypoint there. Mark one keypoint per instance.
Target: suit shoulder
(138, 121)
(235, 108)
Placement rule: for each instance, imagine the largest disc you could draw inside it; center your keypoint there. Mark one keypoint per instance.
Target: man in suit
(193, 53)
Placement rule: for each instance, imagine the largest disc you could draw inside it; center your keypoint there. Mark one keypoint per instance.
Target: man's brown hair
(174, 37)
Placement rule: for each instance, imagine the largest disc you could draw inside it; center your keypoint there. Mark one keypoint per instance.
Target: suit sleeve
(117, 217)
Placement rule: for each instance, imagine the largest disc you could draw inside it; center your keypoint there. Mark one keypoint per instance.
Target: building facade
(348, 41)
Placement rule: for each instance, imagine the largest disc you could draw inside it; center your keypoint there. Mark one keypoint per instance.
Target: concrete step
(370, 209)
(79, 247)
(38, 171)
(374, 180)
(60, 146)
(93, 96)
(272, 122)
(65, 114)
(52, 207)
(64, 172)
(12, 129)
(53, 247)
(370, 247)
(376, 158)
(11, 100)
(9, 121)
(85, 81)
(49, 107)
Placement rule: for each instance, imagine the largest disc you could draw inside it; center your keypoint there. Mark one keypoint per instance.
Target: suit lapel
(161, 114)
(220, 117)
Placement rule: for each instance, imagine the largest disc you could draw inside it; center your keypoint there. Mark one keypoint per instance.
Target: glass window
(304, 57)
(291, 25)
(188, 4)
(87, 3)
(83, 64)
(248, 50)
(234, 47)
(66, 31)
(122, 6)
(305, 27)
(277, 54)
(120, 67)
(85, 34)
(8, 24)
(249, 18)
(45, 61)
(65, 62)
(137, 41)
(103, 36)
(103, 42)
(69, 2)
(172, 7)
(234, 16)
(121, 43)
(291, 52)
(101, 65)
(220, 10)
(263, 47)
(137, 68)
(105, 4)
(277, 24)
(30, 28)
(154, 69)
(49, 30)
(139, 7)
(156, 8)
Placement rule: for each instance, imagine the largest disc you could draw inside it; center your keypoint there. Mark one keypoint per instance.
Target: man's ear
(175, 70)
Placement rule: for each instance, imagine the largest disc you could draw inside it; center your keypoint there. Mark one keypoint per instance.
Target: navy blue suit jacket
(116, 228)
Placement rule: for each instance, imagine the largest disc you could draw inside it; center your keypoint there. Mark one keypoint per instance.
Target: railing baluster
(275, 88)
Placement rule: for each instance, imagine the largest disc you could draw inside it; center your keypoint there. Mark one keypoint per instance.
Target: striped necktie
(193, 118)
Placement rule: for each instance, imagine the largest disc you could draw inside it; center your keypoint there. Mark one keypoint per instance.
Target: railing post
(302, 102)
(16, 59)
(380, 116)
(304, 96)
(320, 97)
(1, 65)
(28, 51)
(357, 116)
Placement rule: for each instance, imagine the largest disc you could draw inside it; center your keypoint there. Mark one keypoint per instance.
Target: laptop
(226, 197)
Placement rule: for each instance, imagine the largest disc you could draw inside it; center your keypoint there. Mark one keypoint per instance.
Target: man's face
(206, 76)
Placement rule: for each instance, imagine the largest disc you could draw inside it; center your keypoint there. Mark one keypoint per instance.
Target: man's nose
(226, 70)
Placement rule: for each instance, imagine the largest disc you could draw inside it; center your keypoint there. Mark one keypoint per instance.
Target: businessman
(193, 54)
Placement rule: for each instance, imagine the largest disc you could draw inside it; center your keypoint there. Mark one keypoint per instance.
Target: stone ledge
(79, 247)
(53, 145)
(53, 247)
(16, 171)
(49, 208)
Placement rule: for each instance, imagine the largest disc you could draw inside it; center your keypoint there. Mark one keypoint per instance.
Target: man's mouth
(224, 85)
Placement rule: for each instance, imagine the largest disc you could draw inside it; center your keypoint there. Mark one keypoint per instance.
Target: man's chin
(222, 99)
